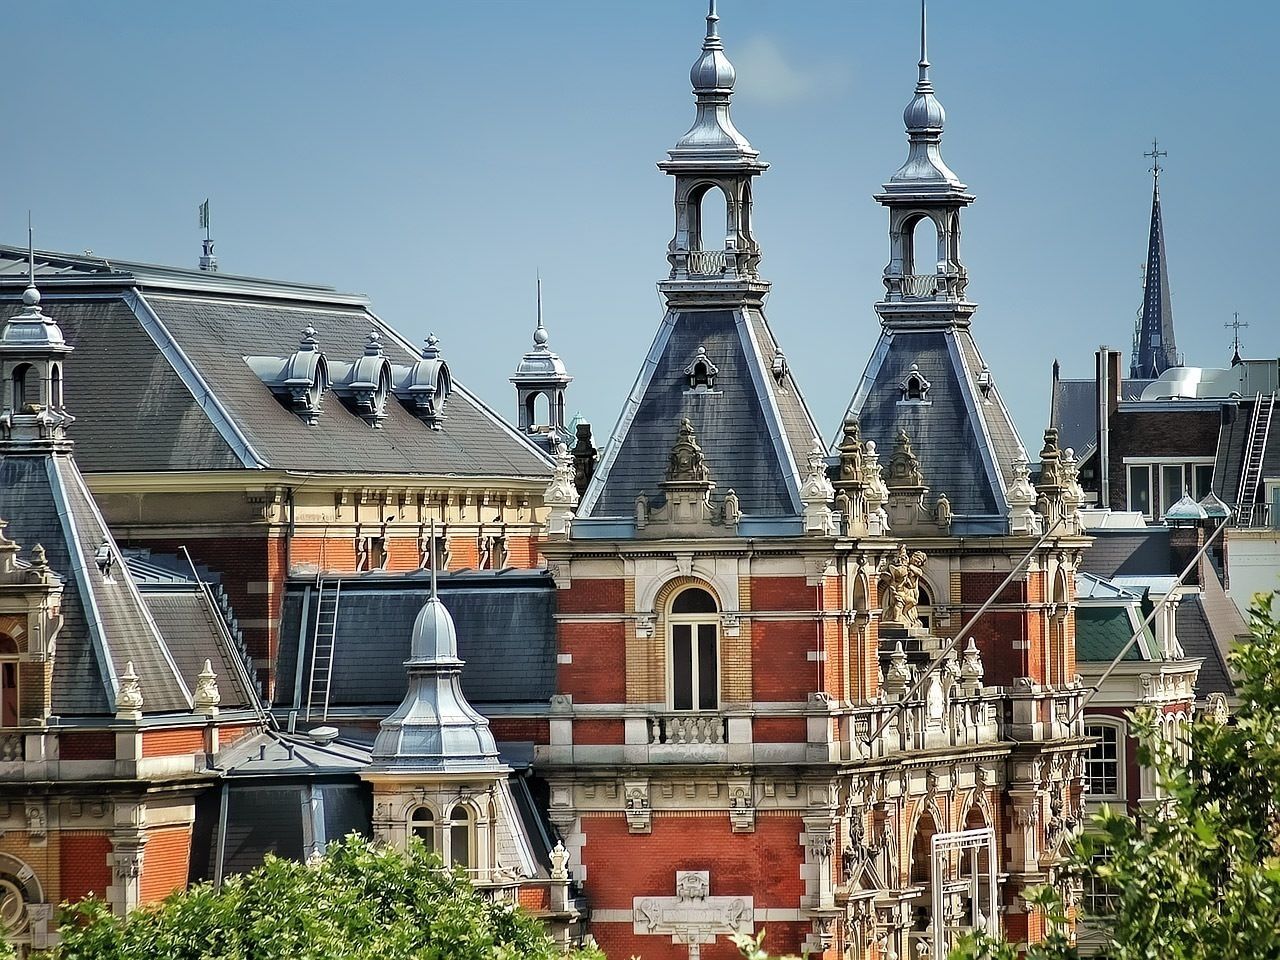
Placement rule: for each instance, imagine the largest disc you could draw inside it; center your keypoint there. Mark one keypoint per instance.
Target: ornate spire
(541, 374)
(1155, 350)
(924, 119)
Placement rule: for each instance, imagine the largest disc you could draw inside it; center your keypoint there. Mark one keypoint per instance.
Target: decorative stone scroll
(693, 916)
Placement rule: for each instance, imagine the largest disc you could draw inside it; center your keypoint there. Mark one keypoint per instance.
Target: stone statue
(904, 465)
(732, 512)
(851, 454)
(900, 586)
(642, 509)
(943, 512)
(687, 464)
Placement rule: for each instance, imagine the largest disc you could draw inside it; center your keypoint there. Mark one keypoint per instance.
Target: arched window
(711, 226)
(1104, 765)
(460, 830)
(423, 826)
(695, 651)
(55, 387)
(8, 681)
(923, 255)
(23, 392)
(924, 605)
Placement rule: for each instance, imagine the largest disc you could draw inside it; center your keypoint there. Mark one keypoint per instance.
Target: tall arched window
(55, 386)
(423, 826)
(712, 224)
(460, 830)
(8, 681)
(695, 651)
(922, 868)
(22, 387)
(924, 253)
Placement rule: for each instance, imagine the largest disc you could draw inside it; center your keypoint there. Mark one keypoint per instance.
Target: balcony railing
(919, 286)
(688, 728)
(1255, 516)
(708, 263)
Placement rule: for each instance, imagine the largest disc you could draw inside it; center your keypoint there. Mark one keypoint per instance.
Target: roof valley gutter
(191, 378)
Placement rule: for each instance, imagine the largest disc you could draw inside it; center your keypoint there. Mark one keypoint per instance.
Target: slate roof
(754, 431)
(1196, 637)
(1073, 409)
(966, 442)
(161, 381)
(1130, 552)
(506, 636)
(106, 622)
(1101, 632)
(1233, 440)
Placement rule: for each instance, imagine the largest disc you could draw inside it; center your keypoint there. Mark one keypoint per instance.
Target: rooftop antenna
(208, 261)
(924, 45)
(1155, 154)
(31, 296)
(1235, 326)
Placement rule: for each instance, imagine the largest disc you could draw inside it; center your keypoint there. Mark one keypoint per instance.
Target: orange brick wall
(84, 865)
(782, 593)
(516, 728)
(598, 673)
(780, 664)
(599, 731)
(165, 743)
(94, 745)
(779, 730)
(229, 735)
(166, 861)
(620, 866)
(534, 899)
(593, 595)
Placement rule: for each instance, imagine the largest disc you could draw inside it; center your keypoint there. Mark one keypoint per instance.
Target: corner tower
(926, 376)
(715, 362)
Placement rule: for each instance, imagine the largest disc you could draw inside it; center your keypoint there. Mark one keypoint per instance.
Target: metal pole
(956, 640)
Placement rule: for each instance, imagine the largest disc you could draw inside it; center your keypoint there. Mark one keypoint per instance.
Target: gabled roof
(753, 426)
(965, 439)
(162, 381)
(106, 623)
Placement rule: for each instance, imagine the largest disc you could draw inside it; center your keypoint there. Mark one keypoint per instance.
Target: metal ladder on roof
(1255, 450)
(323, 641)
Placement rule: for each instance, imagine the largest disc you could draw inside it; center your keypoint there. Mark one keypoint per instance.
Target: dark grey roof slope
(1128, 553)
(1074, 411)
(163, 384)
(193, 632)
(106, 623)
(966, 441)
(505, 624)
(754, 432)
(1233, 440)
(1196, 637)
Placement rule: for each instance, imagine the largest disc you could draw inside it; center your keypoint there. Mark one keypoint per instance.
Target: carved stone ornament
(904, 466)
(942, 513)
(731, 512)
(207, 696)
(639, 815)
(561, 495)
(129, 695)
(851, 459)
(900, 587)
(559, 863)
(971, 669)
(742, 812)
(687, 464)
(692, 916)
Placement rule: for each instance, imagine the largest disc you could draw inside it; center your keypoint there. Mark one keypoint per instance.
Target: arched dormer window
(55, 386)
(8, 681)
(701, 372)
(695, 651)
(423, 826)
(914, 387)
(461, 837)
(23, 393)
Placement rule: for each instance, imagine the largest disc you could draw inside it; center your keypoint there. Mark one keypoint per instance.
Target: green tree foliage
(360, 901)
(1197, 874)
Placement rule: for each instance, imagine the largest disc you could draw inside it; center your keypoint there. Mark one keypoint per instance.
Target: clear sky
(435, 155)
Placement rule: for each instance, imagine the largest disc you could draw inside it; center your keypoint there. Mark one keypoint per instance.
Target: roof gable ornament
(816, 493)
(1023, 518)
(129, 698)
(561, 495)
(687, 487)
(904, 465)
(701, 372)
(1052, 486)
(207, 696)
(877, 493)
(906, 486)
(686, 463)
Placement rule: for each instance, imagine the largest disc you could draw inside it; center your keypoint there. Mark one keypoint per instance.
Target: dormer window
(426, 385)
(701, 372)
(299, 380)
(366, 384)
(914, 387)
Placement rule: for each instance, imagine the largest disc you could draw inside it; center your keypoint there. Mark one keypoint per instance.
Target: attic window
(914, 387)
(701, 372)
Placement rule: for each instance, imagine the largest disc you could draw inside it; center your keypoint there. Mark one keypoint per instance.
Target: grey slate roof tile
(506, 636)
(966, 443)
(1196, 637)
(734, 422)
(190, 629)
(1074, 410)
(1128, 553)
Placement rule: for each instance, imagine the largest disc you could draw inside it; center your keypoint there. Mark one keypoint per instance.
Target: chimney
(1184, 542)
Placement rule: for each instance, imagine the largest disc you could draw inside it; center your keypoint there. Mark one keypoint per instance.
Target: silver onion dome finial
(924, 113)
(924, 85)
(712, 72)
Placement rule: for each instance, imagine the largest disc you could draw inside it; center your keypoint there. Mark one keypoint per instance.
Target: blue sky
(436, 155)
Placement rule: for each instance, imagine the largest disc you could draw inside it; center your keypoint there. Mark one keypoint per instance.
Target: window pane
(1204, 480)
(9, 696)
(1140, 489)
(460, 844)
(682, 666)
(694, 600)
(1102, 765)
(708, 668)
(1171, 486)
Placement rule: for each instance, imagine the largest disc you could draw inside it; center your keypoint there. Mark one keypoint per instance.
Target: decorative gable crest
(701, 372)
(914, 387)
(686, 464)
(904, 465)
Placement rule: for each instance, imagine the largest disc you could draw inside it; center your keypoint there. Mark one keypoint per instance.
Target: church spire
(1156, 350)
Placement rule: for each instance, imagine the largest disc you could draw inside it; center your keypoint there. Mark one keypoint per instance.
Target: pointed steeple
(541, 373)
(1155, 351)
(32, 351)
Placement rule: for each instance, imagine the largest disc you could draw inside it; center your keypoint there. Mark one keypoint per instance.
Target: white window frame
(693, 621)
(1155, 471)
(1121, 758)
(1096, 891)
